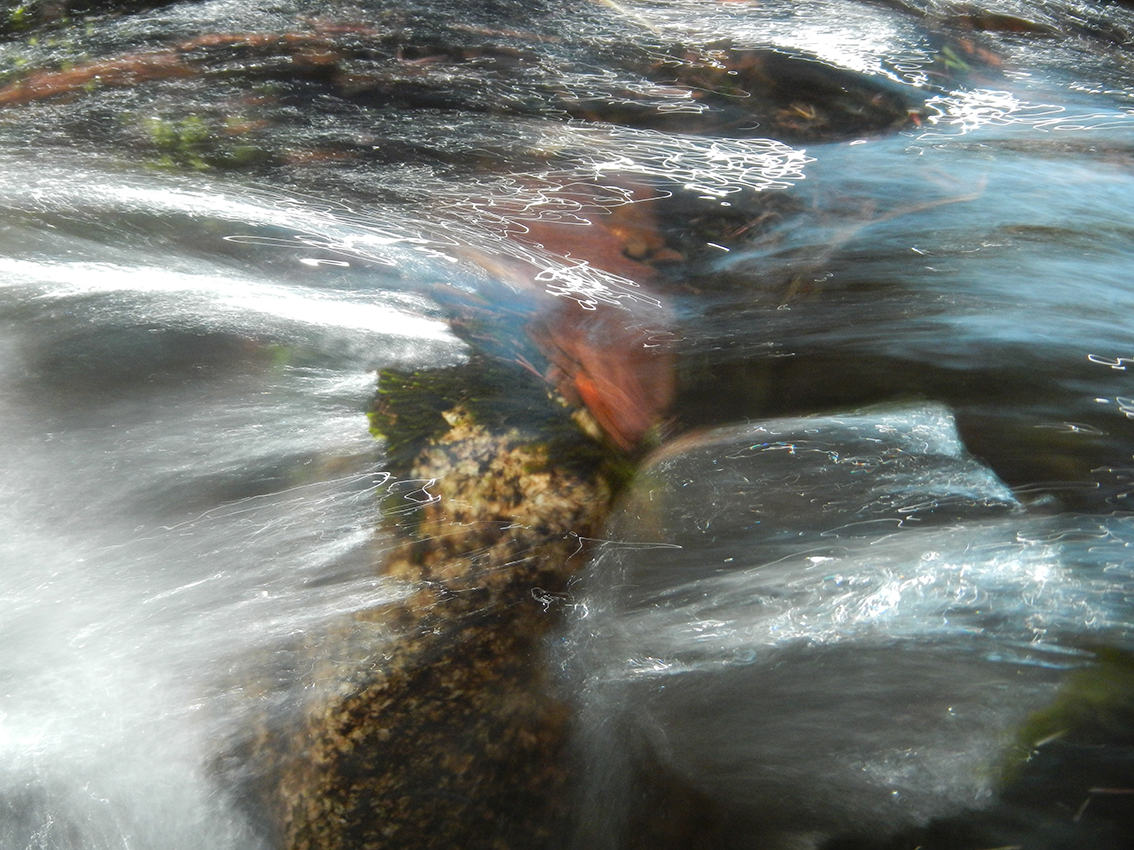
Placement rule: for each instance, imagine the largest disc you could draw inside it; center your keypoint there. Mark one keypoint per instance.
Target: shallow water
(200, 273)
(841, 627)
(190, 485)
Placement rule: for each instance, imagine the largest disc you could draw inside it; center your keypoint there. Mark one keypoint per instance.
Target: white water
(189, 486)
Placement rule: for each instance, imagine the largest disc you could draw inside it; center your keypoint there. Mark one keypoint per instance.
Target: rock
(453, 734)
(843, 631)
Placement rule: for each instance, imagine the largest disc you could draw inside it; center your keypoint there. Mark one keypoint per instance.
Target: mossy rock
(410, 410)
(450, 732)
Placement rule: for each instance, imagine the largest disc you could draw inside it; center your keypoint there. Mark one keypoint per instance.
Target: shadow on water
(873, 591)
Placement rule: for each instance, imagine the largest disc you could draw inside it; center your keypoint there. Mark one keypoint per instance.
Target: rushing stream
(906, 621)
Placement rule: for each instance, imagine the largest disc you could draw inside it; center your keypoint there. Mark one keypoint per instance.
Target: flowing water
(817, 630)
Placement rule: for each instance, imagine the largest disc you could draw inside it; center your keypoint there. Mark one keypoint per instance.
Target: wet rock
(452, 733)
(842, 631)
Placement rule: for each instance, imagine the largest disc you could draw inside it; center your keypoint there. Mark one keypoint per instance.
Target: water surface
(206, 253)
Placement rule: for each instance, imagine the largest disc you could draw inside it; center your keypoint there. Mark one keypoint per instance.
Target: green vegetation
(1094, 708)
(1095, 704)
(180, 143)
(192, 142)
(499, 395)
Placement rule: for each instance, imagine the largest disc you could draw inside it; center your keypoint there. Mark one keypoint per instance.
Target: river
(904, 621)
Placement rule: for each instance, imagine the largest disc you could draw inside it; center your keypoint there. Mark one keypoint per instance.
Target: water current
(910, 221)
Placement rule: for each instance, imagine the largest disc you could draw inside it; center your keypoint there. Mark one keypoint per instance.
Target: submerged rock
(452, 734)
(844, 632)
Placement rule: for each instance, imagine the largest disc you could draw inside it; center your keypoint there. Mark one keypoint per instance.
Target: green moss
(281, 355)
(499, 395)
(952, 61)
(181, 143)
(1094, 702)
(193, 142)
(192, 131)
(21, 16)
(1094, 707)
(162, 133)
